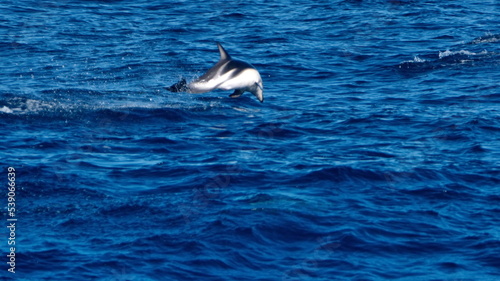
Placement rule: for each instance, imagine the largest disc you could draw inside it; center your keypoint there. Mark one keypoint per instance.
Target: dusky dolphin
(227, 74)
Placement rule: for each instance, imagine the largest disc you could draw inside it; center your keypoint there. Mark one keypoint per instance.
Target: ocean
(375, 155)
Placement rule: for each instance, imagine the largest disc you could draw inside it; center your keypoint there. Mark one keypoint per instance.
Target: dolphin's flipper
(178, 87)
(237, 93)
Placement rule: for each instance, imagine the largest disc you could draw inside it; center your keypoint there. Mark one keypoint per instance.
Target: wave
(447, 59)
(452, 58)
(448, 53)
(490, 38)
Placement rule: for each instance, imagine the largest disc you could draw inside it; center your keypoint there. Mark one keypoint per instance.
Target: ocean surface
(375, 155)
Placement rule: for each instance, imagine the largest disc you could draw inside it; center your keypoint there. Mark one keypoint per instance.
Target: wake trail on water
(457, 56)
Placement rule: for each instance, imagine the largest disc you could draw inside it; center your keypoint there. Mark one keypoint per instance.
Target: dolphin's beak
(259, 91)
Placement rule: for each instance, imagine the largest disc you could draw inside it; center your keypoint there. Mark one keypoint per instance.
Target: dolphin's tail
(180, 86)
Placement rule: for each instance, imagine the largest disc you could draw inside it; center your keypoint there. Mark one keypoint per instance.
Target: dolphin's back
(214, 71)
(237, 65)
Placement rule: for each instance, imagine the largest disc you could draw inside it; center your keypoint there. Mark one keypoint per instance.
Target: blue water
(375, 155)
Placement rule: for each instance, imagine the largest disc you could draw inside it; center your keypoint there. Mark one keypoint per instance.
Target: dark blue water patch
(159, 170)
(494, 199)
(273, 130)
(38, 261)
(51, 145)
(258, 198)
(18, 47)
(373, 153)
(450, 266)
(73, 92)
(164, 141)
(340, 174)
(124, 209)
(488, 180)
(437, 193)
(37, 189)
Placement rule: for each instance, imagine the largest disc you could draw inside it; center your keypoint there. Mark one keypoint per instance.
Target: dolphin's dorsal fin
(223, 54)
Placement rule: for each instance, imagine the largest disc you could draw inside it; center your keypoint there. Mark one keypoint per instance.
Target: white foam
(417, 59)
(491, 39)
(448, 53)
(5, 109)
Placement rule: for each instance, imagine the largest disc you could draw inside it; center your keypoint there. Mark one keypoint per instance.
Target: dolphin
(227, 74)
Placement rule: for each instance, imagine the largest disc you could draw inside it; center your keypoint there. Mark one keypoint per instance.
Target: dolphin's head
(258, 90)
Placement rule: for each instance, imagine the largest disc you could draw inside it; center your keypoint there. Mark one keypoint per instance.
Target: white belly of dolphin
(202, 86)
(244, 80)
